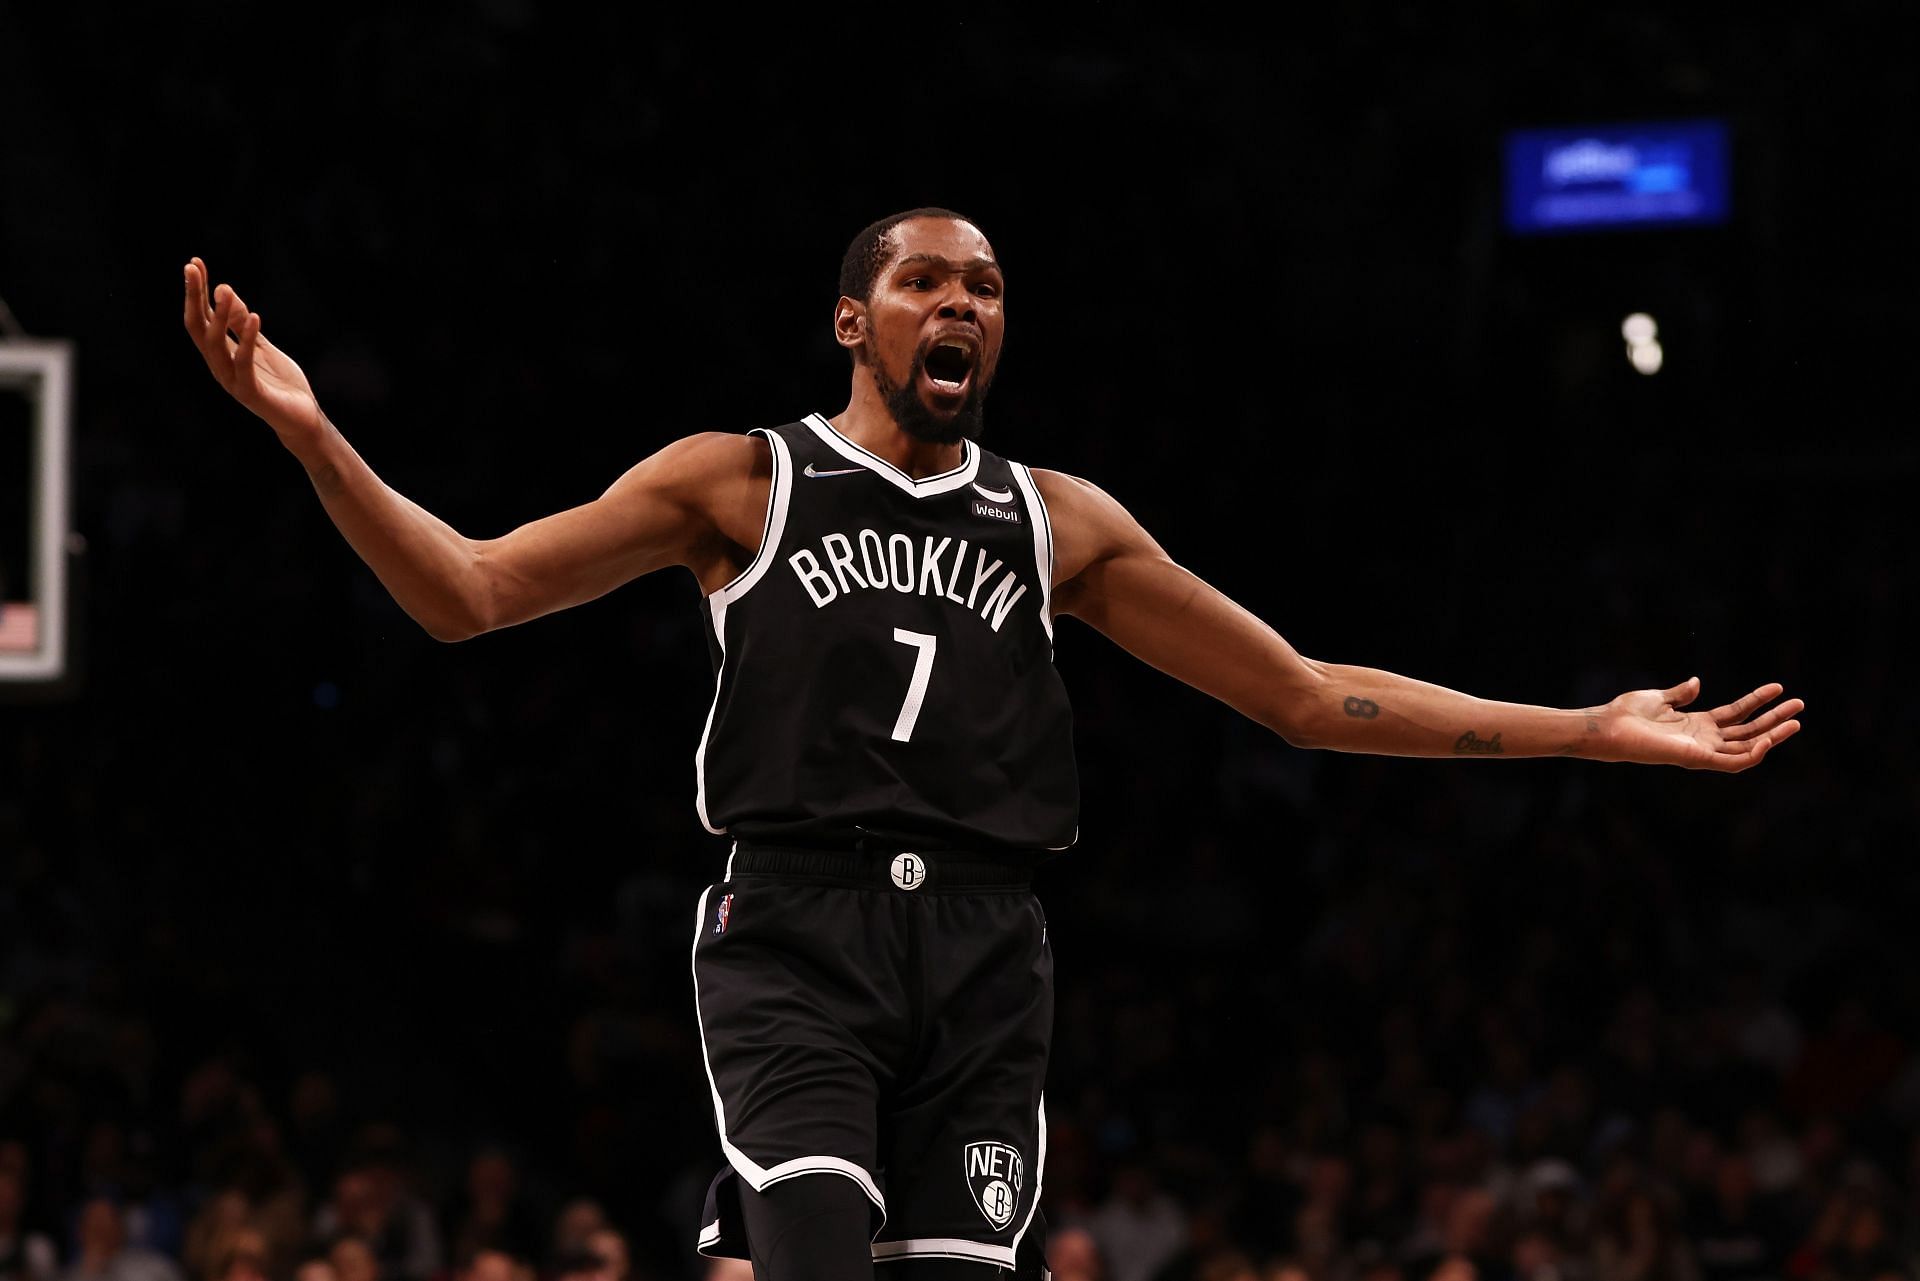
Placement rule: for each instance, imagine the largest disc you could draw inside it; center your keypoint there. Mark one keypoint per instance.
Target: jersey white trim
(779, 499)
(942, 1248)
(757, 1176)
(945, 482)
(814, 1165)
(1043, 561)
(1039, 1168)
(1042, 542)
(976, 1251)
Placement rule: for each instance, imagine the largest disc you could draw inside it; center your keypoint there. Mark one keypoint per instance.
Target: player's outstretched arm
(675, 508)
(1111, 574)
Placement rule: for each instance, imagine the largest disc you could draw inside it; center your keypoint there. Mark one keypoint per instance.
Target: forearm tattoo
(1470, 744)
(1361, 708)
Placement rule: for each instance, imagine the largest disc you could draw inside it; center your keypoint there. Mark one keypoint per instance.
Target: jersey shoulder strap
(809, 453)
(1004, 486)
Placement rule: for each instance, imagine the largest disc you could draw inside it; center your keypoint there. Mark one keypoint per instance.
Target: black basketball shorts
(883, 1018)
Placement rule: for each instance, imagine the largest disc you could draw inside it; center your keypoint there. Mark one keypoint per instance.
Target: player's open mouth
(949, 366)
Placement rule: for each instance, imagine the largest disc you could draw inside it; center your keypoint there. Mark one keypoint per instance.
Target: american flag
(19, 626)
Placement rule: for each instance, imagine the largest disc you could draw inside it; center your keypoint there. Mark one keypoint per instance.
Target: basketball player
(889, 744)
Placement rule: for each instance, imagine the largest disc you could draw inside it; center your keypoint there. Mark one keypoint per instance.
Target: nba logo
(720, 918)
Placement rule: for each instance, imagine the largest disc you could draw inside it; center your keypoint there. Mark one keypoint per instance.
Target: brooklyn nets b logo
(994, 1174)
(908, 871)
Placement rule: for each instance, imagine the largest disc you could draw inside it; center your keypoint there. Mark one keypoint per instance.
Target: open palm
(254, 371)
(1648, 726)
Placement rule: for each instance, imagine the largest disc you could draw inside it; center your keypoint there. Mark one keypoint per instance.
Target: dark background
(1258, 290)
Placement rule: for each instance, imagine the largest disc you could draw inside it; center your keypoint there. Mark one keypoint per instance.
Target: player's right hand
(254, 371)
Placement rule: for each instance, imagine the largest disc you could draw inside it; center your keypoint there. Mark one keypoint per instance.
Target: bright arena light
(1645, 354)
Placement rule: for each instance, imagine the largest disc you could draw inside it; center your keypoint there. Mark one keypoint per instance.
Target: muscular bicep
(685, 505)
(1117, 579)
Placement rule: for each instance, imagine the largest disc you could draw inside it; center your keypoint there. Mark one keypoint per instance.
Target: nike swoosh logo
(841, 471)
(993, 495)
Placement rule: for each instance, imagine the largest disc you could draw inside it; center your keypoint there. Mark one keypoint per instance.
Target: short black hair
(868, 252)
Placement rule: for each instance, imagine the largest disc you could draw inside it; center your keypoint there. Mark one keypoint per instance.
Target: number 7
(916, 687)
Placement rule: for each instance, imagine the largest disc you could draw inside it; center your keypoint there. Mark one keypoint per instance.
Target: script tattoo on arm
(1362, 708)
(1470, 744)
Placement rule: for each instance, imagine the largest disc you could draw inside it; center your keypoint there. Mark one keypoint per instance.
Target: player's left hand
(1648, 727)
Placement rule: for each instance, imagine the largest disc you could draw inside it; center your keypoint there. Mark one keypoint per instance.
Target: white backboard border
(43, 368)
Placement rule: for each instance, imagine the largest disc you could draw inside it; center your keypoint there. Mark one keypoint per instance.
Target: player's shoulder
(705, 459)
(1060, 481)
(714, 472)
(1089, 524)
(1067, 493)
(718, 449)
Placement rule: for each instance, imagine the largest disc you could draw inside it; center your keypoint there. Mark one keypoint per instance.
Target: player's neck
(868, 423)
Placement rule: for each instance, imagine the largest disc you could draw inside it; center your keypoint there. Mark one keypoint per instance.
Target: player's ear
(850, 324)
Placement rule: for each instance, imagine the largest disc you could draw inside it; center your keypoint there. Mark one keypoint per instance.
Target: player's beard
(912, 415)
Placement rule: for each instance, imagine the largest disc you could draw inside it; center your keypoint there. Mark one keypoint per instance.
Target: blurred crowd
(1422, 1074)
(255, 1219)
(1533, 1177)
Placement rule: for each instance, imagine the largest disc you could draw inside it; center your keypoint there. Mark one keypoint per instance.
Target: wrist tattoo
(1469, 744)
(1573, 748)
(1363, 708)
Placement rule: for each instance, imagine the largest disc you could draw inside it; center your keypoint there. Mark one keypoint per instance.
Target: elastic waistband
(909, 871)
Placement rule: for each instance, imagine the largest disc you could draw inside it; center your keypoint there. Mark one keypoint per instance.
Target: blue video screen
(1617, 176)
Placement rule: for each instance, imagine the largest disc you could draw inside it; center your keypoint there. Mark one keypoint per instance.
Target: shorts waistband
(932, 872)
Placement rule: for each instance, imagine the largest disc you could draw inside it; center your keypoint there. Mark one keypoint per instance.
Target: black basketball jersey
(884, 666)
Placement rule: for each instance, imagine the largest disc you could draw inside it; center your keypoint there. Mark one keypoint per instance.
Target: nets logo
(994, 1175)
(908, 871)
